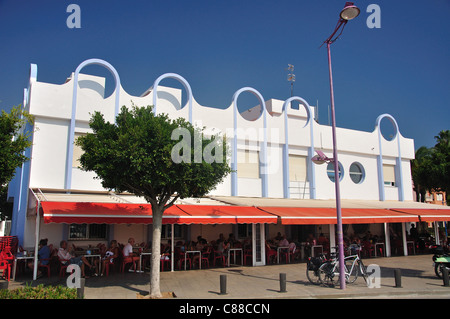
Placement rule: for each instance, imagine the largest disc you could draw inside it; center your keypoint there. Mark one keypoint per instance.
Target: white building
(375, 173)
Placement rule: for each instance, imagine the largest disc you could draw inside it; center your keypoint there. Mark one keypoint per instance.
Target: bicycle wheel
(363, 270)
(351, 271)
(312, 273)
(326, 274)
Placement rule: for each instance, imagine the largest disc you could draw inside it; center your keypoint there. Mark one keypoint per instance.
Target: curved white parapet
(234, 182)
(109, 67)
(182, 81)
(398, 166)
(286, 147)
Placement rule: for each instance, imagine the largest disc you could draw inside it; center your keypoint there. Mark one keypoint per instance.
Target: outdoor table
(16, 259)
(193, 252)
(235, 251)
(278, 253)
(316, 246)
(140, 260)
(379, 244)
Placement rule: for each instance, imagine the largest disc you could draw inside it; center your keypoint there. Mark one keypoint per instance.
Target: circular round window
(357, 173)
(330, 171)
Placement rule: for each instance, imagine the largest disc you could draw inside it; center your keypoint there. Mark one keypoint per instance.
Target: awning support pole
(172, 250)
(332, 237)
(405, 244)
(387, 239)
(36, 244)
(436, 232)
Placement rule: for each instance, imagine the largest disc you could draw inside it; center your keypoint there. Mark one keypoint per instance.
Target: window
(178, 231)
(298, 168)
(330, 171)
(357, 173)
(85, 231)
(389, 175)
(244, 231)
(248, 164)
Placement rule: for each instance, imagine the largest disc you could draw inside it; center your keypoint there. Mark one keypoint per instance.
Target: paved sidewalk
(418, 281)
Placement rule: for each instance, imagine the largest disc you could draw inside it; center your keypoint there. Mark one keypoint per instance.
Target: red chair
(368, 249)
(182, 258)
(63, 264)
(5, 265)
(165, 259)
(45, 266)
(219, 256)
(125, 261)
(248, 254)
(205, 256)
(271, 254)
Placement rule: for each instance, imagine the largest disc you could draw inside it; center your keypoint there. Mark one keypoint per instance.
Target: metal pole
(336, 178)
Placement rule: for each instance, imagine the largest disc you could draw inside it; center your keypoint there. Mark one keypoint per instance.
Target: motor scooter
(440, 260)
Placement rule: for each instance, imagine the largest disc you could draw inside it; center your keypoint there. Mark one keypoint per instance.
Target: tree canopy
(154, 157)
(14, 140)
(431, 167)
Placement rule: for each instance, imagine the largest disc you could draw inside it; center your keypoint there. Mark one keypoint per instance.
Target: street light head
(349, 12)
(321, 158)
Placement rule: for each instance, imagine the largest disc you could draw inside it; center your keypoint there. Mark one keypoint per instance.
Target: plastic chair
(248, 254)
(165, 261)
(63, 264)
(271, 254)
(125, 261)
(45, 266)
(5, 265)
(219, 256)
(205, 256)
(368, 249)
(182, 257)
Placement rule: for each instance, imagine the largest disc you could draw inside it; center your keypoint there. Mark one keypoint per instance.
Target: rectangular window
(248, 164)
(179, 231)
(88, 232)
(244, 231)
(298, 168)
(389, 175)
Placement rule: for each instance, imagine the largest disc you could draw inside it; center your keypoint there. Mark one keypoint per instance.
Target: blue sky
(402, 68)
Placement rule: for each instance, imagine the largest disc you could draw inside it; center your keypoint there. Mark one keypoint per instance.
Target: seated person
(110, 255)
(128, 254)
(66, 256)
(43, 255)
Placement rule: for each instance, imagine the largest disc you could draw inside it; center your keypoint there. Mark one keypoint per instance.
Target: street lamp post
(348, 13)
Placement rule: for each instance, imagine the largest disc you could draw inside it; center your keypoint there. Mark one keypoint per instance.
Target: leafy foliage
(141, 154)
(431, 167)
(135, 155)
(13, 142)
(39, 292)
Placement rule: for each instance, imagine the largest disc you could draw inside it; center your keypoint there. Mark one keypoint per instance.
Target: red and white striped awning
(127, 213)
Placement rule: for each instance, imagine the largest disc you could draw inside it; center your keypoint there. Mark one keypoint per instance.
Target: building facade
(272, 146)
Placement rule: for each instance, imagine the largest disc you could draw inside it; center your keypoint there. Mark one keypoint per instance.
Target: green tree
(431, 167)
(14, 140)
(441, 162)
(420, 170)
(143, 154)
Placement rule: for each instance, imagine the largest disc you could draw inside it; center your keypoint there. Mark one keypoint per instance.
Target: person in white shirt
(65, 255)
(128, 254)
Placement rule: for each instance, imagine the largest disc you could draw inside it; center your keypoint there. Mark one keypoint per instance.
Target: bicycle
(312, 268)
(353, 266)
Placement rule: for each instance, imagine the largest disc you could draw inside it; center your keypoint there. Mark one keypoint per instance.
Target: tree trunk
(155, 289)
